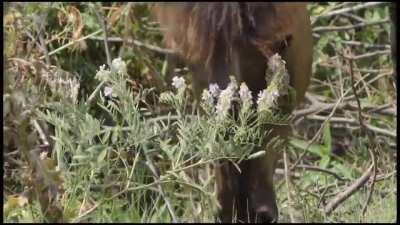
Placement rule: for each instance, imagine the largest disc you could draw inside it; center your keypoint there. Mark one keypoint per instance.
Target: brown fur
(220, 39)
(197, 25)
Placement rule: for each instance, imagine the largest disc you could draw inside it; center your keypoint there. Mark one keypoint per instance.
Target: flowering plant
(231, 125)
(123, 128)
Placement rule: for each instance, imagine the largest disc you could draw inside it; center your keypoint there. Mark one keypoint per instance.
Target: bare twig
(339, 101)
(365, 129)
(39, 22)
(350, 59)
(288, 186)
(41, 133)
(350, 121)
(322, 197)
(72, 43)
(151, 166)
(94, 93)
(201, 162)
(160, 82)
(152, 48)
(319, 189)
(323, 29)
(43, 45)
(103, 23)
(81, 216)
(386, 108)
(343, 195)
(370, 54)
(381, 177)
(317, 106)
(353, 17)
(366, 45)
(329, 65)
(351, 9)
(46, 188)
(377, 77)
(392, 134)
(40, 44)
(317, 134)
(293, 175)
(315, 168)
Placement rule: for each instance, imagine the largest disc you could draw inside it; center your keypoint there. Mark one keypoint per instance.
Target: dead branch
(353, 17)
(318, 133)
(315, 168)
(71, 43)
(381, 177)
(281, 172)
(42, 135)
(324, 29)
(351, 9)
(292, 217)
(343, 195)
(81, 216)
(364, 128)
(370, 54)
(317, 106)
(350, 121)
(365, 45)
(103, 23)
(152, 48)
(149, 163)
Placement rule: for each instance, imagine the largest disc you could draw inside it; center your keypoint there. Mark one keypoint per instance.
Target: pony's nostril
(266, 215)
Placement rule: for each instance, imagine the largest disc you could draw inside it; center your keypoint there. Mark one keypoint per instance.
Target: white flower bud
(119, 66)
(103, 74)
(225, 98)
(108, 91)
(245, 95)
(207, 97)
(178, 83)
(214, 90)
(275, 62)
(266, 99)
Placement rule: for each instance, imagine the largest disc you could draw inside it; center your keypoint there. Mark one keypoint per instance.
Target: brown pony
(236, 38)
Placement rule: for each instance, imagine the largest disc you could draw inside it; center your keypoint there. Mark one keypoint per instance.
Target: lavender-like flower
(245, 96)
(224, 101)
(207, 97)
(108, 91)
(214, 90)
(103, 74)
(119, 66)
(275, 62)
(279, 84)
(266, 99)
(207, 102)
(178, 83)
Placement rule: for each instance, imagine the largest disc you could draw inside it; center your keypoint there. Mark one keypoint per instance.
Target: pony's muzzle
(266, 214)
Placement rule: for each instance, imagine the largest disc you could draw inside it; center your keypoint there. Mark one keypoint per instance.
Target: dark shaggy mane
(195, 29)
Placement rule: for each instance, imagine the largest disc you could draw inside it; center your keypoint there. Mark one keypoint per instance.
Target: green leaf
(164, 68)
(115, 135)
(327, 139)
(102, 155)
(343, 170)
(314, 148)
(324, 162)
(80, 157)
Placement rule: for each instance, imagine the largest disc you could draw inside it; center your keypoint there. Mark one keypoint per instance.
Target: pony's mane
(196, 29)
